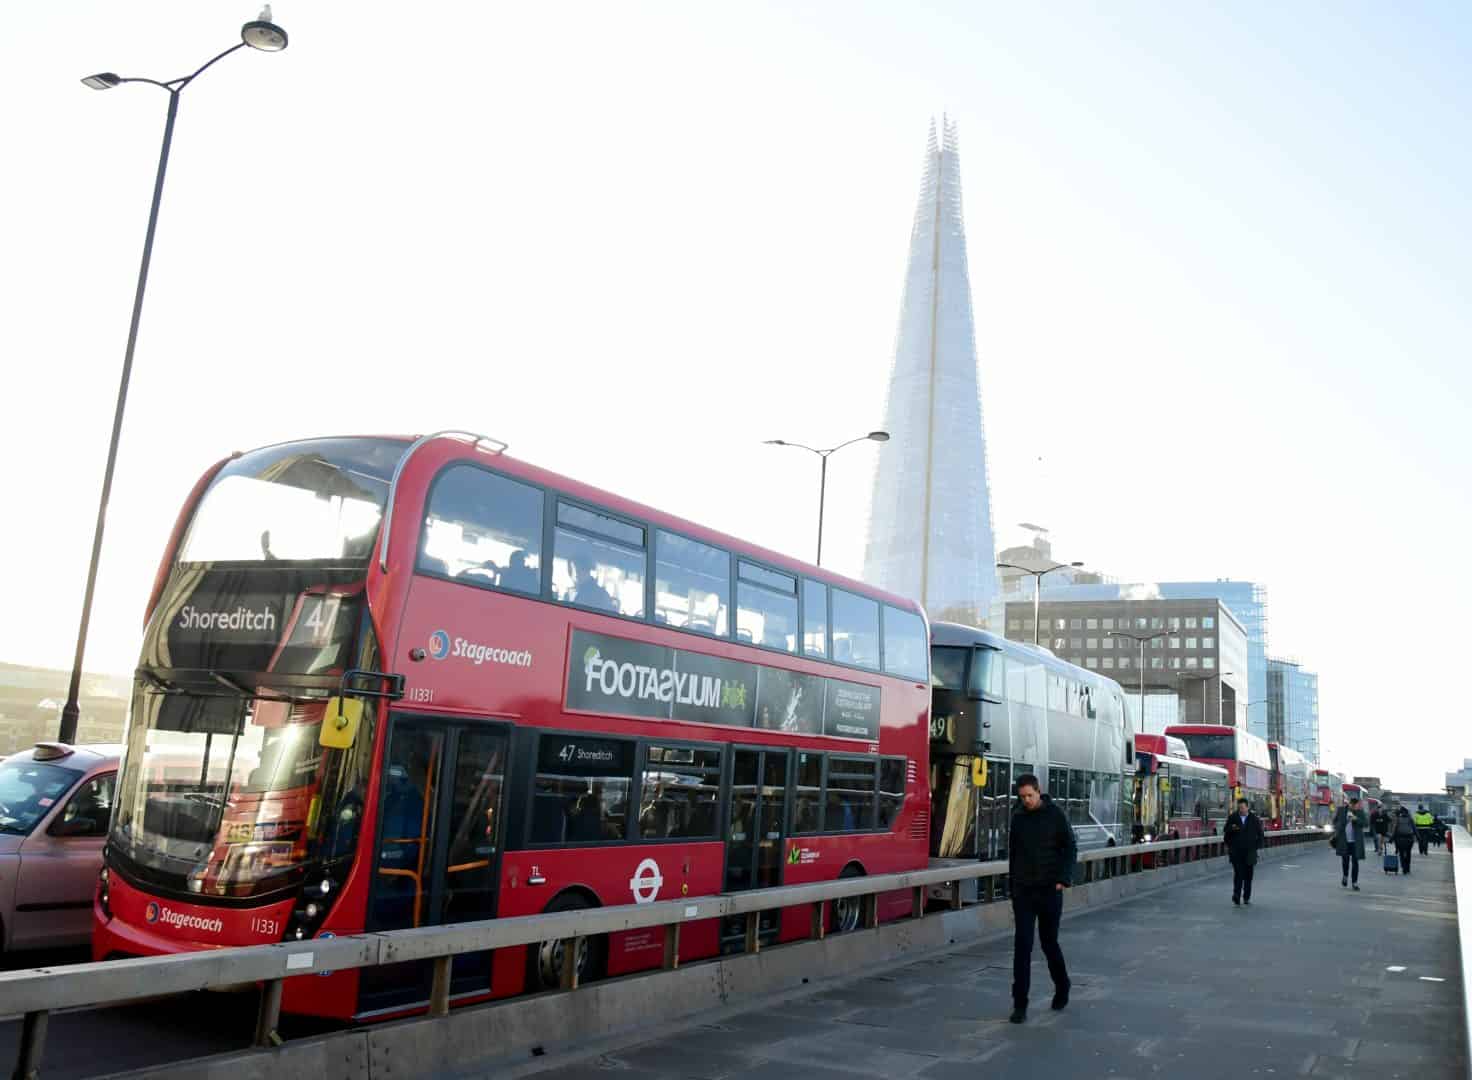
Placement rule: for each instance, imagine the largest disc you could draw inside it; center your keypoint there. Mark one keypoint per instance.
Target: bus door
(995, 811)
(437, 859)
(755, 833)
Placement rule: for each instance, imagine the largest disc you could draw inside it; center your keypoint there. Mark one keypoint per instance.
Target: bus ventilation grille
(920, 826)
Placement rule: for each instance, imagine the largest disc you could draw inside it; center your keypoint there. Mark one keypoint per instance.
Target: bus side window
(484, 529)
(807, 805)
(581, 791)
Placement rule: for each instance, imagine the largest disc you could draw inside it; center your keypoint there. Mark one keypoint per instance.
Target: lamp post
(1203, 679)
(1037, 588)
(873, 436)
(260, 34)
(1140, 639)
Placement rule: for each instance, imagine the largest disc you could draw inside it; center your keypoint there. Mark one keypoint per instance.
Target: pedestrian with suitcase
(1403, 835)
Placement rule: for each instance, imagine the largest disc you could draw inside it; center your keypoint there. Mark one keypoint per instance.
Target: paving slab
(1311, 980)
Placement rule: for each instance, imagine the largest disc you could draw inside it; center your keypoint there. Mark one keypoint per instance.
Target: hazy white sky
(1218, 255)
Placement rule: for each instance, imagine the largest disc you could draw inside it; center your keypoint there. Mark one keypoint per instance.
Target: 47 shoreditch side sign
(633, 678)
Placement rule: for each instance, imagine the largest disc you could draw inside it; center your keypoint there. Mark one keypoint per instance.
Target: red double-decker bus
(1325, 792)
(1292, 794)
(390, 683)
(1242, 754)
(1174, 795)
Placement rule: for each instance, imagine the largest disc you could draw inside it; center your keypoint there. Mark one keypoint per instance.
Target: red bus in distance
(1242, 754)
(1175, 797)
(1292, 793)
(389, 683)
(1326, 790)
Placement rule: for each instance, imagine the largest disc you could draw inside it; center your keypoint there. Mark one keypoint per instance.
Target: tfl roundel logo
(439, 644)
(151, 912)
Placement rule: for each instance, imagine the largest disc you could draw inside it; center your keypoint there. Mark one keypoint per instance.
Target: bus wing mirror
(340, 722)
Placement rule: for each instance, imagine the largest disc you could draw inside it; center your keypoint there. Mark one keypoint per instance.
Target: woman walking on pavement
(1403, 835)
(1350, 823)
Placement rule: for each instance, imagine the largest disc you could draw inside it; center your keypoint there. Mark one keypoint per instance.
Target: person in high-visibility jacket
(1423, 827)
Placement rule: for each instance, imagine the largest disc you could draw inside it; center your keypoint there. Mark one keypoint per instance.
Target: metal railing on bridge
(37, 993)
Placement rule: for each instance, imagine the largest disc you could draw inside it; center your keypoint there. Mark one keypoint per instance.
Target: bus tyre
(545, 960)
(845, 915)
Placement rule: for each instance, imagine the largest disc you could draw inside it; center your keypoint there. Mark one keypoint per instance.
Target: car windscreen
(28, 791)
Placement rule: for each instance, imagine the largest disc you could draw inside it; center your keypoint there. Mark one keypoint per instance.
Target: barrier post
(569, 976)
(817, 930)
(753, 931)
(439, 991)
(269, 1015)
(672, 946)
(32, 1042)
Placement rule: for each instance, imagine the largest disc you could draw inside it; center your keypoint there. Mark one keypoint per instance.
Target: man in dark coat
(1243, 836)
(1350, 826)
(1041, 854)
(1379, 828)
(1403, 835)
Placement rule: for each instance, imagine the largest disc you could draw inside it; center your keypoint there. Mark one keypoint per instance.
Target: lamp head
(103, 81)
(263, 34)
(1075, 564)
(774, 442)
(879, 436)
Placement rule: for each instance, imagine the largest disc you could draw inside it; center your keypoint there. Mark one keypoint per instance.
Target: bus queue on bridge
(390, 683)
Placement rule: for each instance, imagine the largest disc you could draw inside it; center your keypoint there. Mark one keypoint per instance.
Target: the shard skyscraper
(930, 519)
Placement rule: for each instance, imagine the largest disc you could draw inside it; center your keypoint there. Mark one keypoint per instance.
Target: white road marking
(1395, 967)
(1431, 978)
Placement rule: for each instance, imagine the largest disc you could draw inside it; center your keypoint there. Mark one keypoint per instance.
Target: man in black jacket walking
(1243, 836)
(1041, 853)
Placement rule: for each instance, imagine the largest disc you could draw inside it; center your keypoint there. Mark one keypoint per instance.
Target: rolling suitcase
(1392, 860)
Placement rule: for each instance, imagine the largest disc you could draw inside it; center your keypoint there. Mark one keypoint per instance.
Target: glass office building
(1292, 714)
(930, 528)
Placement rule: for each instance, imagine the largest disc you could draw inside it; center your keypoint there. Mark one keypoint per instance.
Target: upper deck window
(302, 501)
(814, 618)
(484, 528)
(948, 666)
(692, 585)
(598, 562)
(904, 643)
(855, 629)
(766, 607)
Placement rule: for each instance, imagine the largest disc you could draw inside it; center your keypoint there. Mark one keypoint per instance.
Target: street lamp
(1037, 587)
(1140, 639)
(260, 34)
(873, 436)
(1204, 679)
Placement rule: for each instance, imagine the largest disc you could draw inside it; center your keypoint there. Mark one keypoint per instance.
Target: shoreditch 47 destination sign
(633, 678)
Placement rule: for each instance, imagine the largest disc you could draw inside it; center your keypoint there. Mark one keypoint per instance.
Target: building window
(1108, 624)
(1157, 623)
(1092, 662)
(1175, 663)
(1157, 663)
(1092, 643)
(1109, 663)
(1027, 624)
(1014, 624)
(1190, 661)
(1124, 662)
(1075, 624)
(1059, 644)
(1175, 623)
(1175, 643)
(1092, 624)
(1075, 644)
(1208, 662)
(1190, 643)
(1142, 623)
(1208, 643)
(1208, 622)
(1045, 624)
(1191, 622)
(1106, 643)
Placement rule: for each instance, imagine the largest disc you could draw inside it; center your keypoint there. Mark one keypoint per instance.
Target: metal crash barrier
(37, 993)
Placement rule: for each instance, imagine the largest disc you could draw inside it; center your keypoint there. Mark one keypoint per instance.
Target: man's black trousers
(1043, 904)
(1242, 879)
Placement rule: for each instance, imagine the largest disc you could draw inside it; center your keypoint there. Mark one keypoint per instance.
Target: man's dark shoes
(1236, 901)
(1060, 1001)
(1019, 1015)
(1247, 902)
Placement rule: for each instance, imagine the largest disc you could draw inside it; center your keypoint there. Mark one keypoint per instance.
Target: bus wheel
(545, 960)
(844, 915)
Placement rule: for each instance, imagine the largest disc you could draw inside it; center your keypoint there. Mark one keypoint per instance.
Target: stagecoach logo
(646, 882)
(441, 646)
(156, 912)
